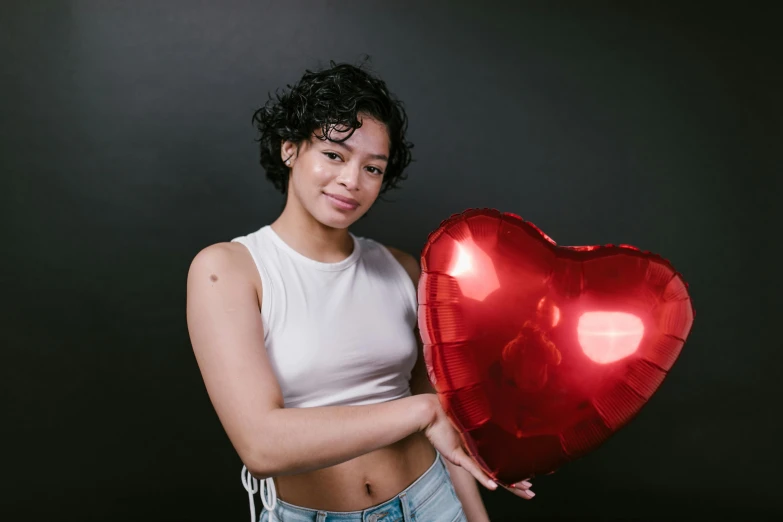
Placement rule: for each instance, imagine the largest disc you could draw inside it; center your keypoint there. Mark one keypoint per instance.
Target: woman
(305, 334)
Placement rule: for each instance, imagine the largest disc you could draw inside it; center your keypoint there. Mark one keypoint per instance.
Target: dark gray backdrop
(126, 146)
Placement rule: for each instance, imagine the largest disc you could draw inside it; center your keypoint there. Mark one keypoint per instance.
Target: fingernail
(531, 494)
(524, 484)
(491, 484)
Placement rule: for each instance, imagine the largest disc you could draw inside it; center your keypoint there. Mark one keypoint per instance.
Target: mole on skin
(213, 278)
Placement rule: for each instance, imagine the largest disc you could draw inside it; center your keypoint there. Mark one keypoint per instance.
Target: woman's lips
(342, 202)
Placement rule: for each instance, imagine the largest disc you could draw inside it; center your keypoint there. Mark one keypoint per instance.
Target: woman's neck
(311, 238)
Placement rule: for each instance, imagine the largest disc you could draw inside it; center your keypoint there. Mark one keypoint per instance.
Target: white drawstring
(268, 494)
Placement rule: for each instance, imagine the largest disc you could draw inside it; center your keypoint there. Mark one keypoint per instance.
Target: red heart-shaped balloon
(539, 353)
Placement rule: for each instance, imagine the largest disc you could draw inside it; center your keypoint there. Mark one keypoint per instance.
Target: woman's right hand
(446, 440)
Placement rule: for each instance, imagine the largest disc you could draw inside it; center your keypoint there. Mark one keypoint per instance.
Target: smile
(341, 203)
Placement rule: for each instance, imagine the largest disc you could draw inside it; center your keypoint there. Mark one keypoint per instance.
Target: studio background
(126, 146)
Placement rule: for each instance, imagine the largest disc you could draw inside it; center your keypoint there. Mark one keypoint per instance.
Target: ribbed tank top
(336, 333)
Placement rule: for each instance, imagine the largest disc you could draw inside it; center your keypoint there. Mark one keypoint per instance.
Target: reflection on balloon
(549, 313)
(474, 270)
(607, 337)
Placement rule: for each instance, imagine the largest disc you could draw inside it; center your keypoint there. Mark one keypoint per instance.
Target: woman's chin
(339, 221)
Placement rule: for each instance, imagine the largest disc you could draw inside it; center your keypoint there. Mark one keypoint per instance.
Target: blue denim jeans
(431, 498)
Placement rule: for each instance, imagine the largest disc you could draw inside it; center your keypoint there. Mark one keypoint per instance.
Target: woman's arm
(227, 335)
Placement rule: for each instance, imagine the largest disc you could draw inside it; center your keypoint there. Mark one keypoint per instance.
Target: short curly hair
(324, 99)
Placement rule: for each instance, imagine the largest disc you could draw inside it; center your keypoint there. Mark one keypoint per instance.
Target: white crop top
(335, 333)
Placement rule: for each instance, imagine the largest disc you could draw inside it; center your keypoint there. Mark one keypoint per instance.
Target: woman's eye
(374, 170)
(331, 155)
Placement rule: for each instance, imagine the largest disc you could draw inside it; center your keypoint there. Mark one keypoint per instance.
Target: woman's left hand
(522, 489)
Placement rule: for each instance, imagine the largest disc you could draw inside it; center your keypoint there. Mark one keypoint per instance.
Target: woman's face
(337, 183)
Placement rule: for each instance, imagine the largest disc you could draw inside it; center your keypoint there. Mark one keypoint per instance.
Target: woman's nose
(349, 177)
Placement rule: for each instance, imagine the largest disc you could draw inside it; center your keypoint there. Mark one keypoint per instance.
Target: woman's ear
(288, 152)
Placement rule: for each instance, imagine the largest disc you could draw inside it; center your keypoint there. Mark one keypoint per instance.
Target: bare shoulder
(223, 261)
(408, 262)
